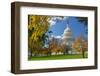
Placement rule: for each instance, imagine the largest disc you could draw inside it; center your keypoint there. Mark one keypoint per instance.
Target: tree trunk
(83, 54)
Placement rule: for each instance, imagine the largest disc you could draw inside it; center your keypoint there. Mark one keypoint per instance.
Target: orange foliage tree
(55, 46)
(80, 45)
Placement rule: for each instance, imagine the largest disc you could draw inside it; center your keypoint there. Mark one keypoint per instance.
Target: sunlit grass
(56, 57)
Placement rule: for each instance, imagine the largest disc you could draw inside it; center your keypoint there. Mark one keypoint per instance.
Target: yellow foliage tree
(37, 27)
(81, 45)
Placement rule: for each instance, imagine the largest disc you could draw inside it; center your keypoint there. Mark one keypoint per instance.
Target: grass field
(56, 57)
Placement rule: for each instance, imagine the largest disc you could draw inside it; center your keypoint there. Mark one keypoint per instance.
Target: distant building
(67, 39)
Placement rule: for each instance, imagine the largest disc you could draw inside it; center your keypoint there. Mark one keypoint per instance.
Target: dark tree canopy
(83, 20)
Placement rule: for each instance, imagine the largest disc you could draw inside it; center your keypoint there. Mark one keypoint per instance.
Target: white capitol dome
(67, 29)
(67, 33)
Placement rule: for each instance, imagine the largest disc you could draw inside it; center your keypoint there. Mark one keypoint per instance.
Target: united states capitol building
(67, 39)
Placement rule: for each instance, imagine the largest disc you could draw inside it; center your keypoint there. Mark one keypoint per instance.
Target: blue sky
(76, 27)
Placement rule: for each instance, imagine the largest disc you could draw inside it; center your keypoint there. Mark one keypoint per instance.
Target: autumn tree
(80, 45)
(37, 27)
(55, 46)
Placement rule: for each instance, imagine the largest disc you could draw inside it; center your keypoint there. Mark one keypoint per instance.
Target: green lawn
(56, 57)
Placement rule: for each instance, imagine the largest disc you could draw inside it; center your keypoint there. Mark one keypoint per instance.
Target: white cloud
(52, 22)
(65, 18)
(58, 36)
(59, 18)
